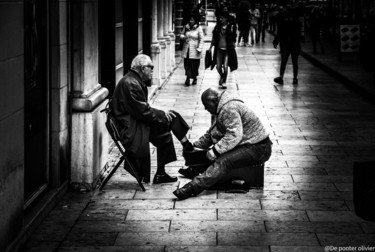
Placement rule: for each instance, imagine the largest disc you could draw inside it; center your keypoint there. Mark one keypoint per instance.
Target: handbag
(208, 59)
(181, 44)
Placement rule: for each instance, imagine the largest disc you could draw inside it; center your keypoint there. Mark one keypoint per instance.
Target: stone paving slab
(261, 194)
(302, 205)
(216, 248)
(240, 226)
(194, 203)
(118, 204)
(354, 240)
(300, 186)
(312, 227)
(104, 214)
(340, 216)
(256, 215)
(261, 239)
(297, 249)
(175, 214)
(113, 249)
(90, 239)
(161, 238)
(103, 226)
(306, 195)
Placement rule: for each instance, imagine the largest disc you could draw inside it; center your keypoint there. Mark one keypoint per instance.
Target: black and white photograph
(187, 125)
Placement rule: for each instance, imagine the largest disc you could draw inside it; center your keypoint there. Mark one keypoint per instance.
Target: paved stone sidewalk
(318, 127)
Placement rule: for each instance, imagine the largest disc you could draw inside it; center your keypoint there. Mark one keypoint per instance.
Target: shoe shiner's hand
(169, 115)
(210, 155)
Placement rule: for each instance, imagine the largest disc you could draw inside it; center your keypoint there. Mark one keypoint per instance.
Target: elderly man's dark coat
(135, 116)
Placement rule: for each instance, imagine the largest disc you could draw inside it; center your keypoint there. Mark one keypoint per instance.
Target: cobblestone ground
(318, 128)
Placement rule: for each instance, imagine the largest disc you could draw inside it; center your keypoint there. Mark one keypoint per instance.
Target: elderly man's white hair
(139, 61)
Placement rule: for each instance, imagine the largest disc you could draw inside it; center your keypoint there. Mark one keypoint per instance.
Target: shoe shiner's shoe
(185, 192)
(164, 178)
(279, 80)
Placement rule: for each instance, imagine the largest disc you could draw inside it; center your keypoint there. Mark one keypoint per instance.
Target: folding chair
(111, 125)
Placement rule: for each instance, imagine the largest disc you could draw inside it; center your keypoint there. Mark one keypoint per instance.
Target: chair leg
(134, 174)
(106, 179)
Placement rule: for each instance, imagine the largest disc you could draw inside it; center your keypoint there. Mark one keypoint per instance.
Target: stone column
(161, 38)
(89, 135)
(155, 46)
(171, 34)
(178, 21)
(167, 37)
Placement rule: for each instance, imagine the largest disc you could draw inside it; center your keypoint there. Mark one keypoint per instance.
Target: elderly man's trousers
(161, 138)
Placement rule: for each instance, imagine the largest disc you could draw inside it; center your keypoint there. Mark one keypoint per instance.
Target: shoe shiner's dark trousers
(245, 155)
(161, 138)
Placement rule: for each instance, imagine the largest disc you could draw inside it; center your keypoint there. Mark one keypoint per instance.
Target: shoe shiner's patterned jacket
(234, 124)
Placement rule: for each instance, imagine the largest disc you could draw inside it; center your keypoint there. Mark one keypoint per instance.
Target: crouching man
(235, 139)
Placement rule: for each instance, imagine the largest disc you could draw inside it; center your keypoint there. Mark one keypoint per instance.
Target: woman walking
(192, 34)
(224, 39)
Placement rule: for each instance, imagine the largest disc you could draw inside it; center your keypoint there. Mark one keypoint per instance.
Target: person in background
(243, 21)
(139, 123)
(193, 37)
(224, 40)
(316, 23)
(263, 22)
(254, 24)
(288, 37)
(236, 138)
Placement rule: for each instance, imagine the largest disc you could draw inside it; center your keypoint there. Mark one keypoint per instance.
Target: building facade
(60, 61)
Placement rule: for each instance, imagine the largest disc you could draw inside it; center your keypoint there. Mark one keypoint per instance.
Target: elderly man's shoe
(184, 192)
(163, 178)
(187, 146)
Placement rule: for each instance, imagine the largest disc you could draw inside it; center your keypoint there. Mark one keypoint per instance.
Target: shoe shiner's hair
(139, 61)
(209, 95)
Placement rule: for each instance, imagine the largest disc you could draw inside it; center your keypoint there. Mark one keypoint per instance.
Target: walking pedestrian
(263, 22)
(193, 37)
(243, 21)
(315, 21)
(288, 36)
(224, 40)
(254, 23)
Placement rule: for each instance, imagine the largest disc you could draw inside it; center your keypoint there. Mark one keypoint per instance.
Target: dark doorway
(36, 99)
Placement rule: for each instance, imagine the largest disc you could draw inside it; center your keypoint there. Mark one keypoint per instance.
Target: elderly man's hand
(210, 155)
(169, 115)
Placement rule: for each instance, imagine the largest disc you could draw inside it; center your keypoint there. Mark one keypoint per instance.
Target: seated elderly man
(141, 124)
(235, 139)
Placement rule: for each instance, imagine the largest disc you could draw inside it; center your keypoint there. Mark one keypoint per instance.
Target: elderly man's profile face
(147, 70)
